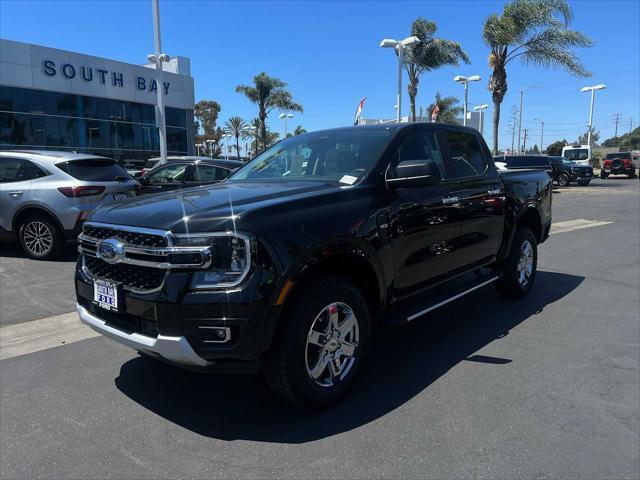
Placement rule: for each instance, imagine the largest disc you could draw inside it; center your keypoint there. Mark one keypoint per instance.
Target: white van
(578, 154)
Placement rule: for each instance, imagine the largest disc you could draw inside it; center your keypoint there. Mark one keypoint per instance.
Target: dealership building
(59, 100)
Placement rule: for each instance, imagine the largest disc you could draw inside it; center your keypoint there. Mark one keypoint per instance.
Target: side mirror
(414, 173)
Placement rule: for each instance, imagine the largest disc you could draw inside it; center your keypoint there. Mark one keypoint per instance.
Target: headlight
(230, 258)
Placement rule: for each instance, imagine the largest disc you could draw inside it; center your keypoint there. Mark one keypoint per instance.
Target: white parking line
(571, 225)
(30, 337)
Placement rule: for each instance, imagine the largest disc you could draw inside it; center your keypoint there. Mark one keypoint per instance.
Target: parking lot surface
(547, 386)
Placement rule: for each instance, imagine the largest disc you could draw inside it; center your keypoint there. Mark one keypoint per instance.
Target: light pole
(541, 133)
(481, 109)
(399, 46)
(226, 136)
(465, 81)
(284, 116)
(158, 58)
(520, 120)
(211, 143)
(592, 89)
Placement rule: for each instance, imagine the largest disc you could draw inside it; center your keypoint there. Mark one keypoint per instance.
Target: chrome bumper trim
(174, 349)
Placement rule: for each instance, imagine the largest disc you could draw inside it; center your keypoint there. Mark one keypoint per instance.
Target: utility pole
(520, 121)
(616, 120)
(524, 142)
(513, 125)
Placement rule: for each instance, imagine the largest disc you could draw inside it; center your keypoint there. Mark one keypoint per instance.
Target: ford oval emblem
(111, 250)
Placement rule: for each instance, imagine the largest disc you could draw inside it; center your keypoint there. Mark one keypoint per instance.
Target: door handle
(450, 200)
(494, 191)
(16, 193)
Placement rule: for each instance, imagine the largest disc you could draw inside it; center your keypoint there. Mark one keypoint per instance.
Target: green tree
(430, 53)
(555, 148)
(206, 113)
(235, 126)
(535, 150)
(299, 130)
(584, 138)
(449, 109)
(630, 140)
(268, 93)
(535, 32)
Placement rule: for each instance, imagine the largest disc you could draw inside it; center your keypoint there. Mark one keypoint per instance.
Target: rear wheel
(40, 237)
(519, 269)
(632, 173)
(563, 180)
(320, 344)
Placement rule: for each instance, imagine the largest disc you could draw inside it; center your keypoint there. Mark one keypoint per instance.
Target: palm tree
(430, 53)
(235, 126)
(448, 107)
(268, 93)
(535, 31)
(299, 130)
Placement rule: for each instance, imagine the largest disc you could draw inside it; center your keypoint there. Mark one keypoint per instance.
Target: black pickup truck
(287, 266)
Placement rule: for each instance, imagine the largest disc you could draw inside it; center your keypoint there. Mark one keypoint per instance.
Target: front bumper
(173, 349)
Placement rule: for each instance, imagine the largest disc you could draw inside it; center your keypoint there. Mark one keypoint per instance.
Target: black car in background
(177, 174)
(525, 162)
(566, 171)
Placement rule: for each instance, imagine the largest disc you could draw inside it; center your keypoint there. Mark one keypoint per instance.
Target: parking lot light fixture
(284, 116)
(399, 46)
(481, 109)
(592, 89)
(465, 81)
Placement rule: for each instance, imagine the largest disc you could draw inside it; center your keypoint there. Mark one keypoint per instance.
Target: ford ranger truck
(286, 267)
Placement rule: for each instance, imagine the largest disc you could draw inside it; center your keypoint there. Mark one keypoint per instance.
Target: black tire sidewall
(566, 181)
(299, 319)
(56, 244)
(509, 284)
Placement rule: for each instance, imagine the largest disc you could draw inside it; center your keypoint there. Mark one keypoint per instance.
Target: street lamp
(399, 46)
(158, 58)
(284, 116)
(210, 142)
(541, 133)
(592, 89)
(227, 136)
(481, 109)
(465, 81)
(520, 120)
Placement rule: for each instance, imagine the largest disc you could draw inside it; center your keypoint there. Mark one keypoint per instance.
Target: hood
(207, 208)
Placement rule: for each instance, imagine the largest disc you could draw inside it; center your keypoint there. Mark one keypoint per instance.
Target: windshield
(577, 154)
(344, 156)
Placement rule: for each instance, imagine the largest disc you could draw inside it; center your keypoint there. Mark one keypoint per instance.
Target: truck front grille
(132, 238)
(132, 277)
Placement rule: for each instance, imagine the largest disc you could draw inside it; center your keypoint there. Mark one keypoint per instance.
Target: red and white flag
(359, 111)
(434, 113)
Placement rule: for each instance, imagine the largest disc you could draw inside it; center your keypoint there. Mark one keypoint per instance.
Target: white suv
(45, 196)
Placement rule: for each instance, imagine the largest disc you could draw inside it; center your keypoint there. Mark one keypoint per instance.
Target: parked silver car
(45, 196)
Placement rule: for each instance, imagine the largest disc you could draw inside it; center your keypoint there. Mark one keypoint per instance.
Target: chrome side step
(452, 298)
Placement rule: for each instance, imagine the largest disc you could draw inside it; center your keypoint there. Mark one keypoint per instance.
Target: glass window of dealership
(56, 100)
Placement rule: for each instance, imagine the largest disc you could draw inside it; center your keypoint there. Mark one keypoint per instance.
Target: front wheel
(632, 173)
(40, 238)
(320, 344)
(563, 180)
(519, 269)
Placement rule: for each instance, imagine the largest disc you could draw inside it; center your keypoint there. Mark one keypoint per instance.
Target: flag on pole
(434, 113)
(359, 111)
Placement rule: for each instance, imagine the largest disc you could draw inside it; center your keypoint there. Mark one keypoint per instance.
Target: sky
(328, 54)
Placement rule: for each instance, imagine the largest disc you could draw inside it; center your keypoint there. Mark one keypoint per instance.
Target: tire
(293, 367)
(40, 237)
(584, 183)
(603, 175)
(632, 173)
(563, 180)
(519, 269)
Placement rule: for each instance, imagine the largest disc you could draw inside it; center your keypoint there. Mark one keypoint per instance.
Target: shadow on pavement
(13, 250)
(403, 362)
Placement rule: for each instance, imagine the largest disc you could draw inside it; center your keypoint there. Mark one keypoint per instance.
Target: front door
(480, 195)
(427, 223)
(14, 189)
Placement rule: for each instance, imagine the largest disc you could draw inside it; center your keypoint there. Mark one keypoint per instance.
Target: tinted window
(5, 99)
(33, 171)
(176, 117)
(419, 146)
(209, 173)
(11, 170)
(94, 170)
(168, 174)
(465, 155)
(577, 154)
(342, 156)
(526, 162)
(611, 156)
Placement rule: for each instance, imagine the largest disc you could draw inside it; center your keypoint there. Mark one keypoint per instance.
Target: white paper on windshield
(348, 179)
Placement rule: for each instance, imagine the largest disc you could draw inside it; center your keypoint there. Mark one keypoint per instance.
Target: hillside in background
(629, 140)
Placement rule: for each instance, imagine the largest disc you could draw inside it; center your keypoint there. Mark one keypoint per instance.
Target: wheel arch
(27, 210)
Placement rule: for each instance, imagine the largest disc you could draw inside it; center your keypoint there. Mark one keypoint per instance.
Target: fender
(35, 206)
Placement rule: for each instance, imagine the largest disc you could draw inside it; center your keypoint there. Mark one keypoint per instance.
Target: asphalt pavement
(544, 387)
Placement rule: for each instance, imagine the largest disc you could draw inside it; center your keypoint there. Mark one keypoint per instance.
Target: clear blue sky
(328, 53)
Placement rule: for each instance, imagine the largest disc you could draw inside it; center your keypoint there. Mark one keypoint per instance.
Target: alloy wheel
(38, 238)
(332, 344)
(525, 263)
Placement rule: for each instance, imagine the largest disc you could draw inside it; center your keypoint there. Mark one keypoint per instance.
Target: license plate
(105, 294)
(587, 174)
(119, 196)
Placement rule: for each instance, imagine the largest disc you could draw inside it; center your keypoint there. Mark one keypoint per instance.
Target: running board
(440, 300)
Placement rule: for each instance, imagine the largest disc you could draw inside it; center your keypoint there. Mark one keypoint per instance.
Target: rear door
(15, 185)
(203, 174)
(479, 193)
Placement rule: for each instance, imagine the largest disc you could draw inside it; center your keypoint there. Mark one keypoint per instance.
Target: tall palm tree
(448, 109)
(268, 93)
(235, 126)
(535, 31)
(430, 53)
(299, 130)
